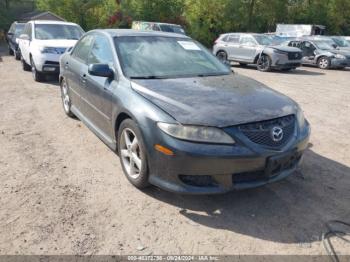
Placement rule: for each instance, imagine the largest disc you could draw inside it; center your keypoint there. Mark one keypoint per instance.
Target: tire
(11, 51)
(131, 153)
(66, 101)
(25, 66)
(264, 63)
(324, 62)
(222, 56)
(18, 55)
(37, 76)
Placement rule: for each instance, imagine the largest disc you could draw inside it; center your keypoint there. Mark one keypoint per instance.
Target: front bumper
(282, 61)
(214, 169)
(47, 63)
(335, 63)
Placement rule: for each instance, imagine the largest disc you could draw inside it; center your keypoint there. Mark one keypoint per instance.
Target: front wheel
(264, 63)
(25, 66)
(66, 101)
(132, 154)
(324, 63)
(37, 76)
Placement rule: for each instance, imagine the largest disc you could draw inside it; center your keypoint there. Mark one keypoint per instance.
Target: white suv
(43, 42)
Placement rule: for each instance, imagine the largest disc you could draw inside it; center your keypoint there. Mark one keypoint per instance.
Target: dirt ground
(63, 190)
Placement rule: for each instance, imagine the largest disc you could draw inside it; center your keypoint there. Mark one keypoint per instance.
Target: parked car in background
(180, 120)
(341, 42)
(12, 38)
(256, 49)
(321, 52)
(43, 42)
(154, 26)
(299, 30)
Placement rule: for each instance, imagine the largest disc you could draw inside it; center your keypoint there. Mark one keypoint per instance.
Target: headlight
(197, 133)
(280, 52)
(301, 118)
(339, 56)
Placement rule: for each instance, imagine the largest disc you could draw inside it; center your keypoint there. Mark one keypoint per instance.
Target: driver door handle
(83, 78)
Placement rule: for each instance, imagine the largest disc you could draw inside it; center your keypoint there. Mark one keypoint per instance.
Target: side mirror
(10, 34)
(334, 46)
(24, 37)
(102, 70)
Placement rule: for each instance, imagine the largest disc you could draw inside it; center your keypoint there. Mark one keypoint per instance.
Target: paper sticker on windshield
(189, 45)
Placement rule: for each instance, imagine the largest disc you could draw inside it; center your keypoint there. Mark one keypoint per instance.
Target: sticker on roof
(187, 45)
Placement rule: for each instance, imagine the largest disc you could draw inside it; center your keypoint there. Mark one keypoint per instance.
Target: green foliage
(204, 20)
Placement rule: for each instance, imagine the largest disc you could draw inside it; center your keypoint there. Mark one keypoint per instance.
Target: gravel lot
(63, 191)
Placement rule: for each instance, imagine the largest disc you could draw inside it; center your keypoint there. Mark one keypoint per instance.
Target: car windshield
(264, 39)
(172, 29)
(57, 31)
(341, 42)
(166, 57)
(324, 44)
(19, 29)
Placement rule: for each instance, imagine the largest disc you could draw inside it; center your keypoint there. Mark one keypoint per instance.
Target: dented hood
(215, 101)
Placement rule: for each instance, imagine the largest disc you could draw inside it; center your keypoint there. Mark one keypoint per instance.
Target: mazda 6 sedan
(178, 118)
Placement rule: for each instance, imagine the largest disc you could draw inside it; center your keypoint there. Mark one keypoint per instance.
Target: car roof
(131, 32)
(51, 22)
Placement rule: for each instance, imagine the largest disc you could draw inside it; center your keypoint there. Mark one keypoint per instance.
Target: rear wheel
(38, 77)
(18, 55)
(324, 63)
(66, 99)
(132, 154)
(11, 51)
(222, 56)
(264, 63)
(25, 66)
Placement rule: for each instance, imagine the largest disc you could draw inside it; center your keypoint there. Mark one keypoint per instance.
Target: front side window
(82, 49)
(57, 31)
(101, 52)
(18, 29)
(166, 57)
(263, 39)
(247, 40)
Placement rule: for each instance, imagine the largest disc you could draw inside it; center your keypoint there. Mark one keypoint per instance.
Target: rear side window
(82, 49)
(295, 44)
(101, 52)
(233, 39)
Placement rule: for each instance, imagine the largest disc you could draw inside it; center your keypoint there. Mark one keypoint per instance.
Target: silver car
(256, 49)
(321, 52)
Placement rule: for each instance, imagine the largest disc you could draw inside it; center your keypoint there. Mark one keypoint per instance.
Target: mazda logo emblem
(276, 134)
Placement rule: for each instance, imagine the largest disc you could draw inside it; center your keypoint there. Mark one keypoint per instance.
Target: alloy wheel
(323, 63)
(65, 97)
(130, 153)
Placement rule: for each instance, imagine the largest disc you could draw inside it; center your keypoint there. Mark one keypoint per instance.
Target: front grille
(198, 181)
(261, 132)
(51, 63)
(294, 55)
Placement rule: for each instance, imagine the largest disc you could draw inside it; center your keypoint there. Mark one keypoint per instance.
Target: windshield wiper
(148, 77)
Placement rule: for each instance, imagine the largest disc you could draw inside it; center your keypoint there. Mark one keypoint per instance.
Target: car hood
(57, 43)
(342, 51)
(215, 101)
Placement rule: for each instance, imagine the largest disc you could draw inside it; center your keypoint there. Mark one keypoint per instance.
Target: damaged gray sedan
(178, 117)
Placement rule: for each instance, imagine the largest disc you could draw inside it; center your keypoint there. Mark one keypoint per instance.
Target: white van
(43, 42)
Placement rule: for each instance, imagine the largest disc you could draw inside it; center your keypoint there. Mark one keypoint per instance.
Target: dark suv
(11, 38)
